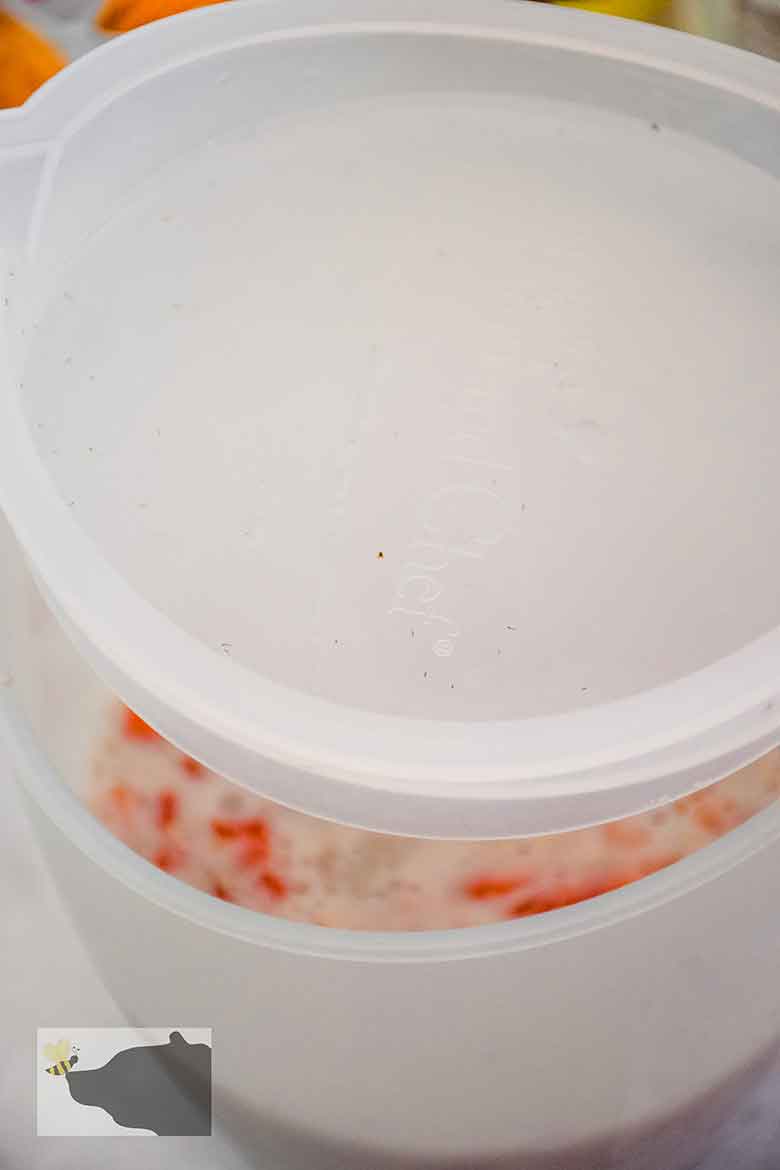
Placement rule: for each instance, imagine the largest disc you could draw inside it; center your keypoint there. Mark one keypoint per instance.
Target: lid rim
(663, 730)
(43, 786)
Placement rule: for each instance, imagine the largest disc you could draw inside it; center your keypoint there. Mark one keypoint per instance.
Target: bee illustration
(59, 1053)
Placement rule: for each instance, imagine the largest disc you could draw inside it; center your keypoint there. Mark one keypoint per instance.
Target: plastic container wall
(615, 1033)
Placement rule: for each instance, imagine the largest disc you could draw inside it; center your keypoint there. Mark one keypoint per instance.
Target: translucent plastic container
(367, 423)
(618, 1033)
(387, 414)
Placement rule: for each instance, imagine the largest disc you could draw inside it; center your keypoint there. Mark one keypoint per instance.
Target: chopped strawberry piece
(170, 857)
(135, 728)
(275, 885)
(167, 808)
(225, 830)
(539, 904)
(252, 855)
(570, 893)
(253, 828)
(565, 894)
(256, 828)
(193, 769)
(162, 859)
(497, 886)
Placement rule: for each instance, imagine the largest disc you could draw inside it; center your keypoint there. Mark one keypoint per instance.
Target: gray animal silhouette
(162, 1087)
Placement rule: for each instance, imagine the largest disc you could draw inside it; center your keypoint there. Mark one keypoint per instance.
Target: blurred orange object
(118, 16)
(26, 60)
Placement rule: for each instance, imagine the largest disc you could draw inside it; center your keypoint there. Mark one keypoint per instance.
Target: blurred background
(39, 37)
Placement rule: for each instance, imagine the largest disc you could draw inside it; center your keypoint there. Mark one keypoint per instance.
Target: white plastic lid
(397, 411)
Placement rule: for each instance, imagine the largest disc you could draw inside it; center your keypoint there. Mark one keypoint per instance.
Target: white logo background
(58, 1115)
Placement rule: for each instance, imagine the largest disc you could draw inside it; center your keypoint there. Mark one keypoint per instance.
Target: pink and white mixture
(242, 848)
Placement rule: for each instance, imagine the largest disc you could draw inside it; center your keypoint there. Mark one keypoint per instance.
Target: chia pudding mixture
(237, 846)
